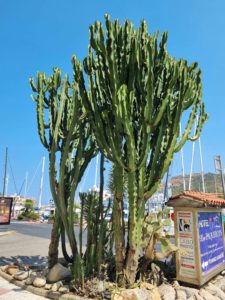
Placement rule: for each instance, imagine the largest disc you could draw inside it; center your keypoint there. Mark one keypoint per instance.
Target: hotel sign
(211, 241)
(5, 210)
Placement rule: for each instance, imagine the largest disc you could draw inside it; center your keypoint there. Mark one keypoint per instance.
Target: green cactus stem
(67, 136)
(136, 96)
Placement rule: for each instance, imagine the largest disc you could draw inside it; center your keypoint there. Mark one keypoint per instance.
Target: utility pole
(41, 184)
(219, 169)
(5, 173)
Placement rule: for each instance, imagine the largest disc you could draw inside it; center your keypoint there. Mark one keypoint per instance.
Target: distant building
(18, 205)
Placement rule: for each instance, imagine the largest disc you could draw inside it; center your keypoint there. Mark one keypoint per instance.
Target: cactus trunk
(54, 241)
(118, 222)
(100, 244)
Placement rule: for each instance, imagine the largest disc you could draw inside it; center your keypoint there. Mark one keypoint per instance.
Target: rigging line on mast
(35, 173)
(85, 177)
(21, 187)
(14, 181)
(25, 186)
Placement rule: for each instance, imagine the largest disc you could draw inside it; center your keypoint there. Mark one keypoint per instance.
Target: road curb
(40, 291)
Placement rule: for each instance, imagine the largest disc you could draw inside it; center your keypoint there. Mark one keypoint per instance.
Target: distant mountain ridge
(213, 183)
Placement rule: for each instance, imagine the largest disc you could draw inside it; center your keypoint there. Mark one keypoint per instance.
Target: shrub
(28, 216)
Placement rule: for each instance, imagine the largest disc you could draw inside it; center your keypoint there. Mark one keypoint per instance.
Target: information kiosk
(199, 235)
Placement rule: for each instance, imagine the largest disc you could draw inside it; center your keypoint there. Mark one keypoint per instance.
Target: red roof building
(196, 199)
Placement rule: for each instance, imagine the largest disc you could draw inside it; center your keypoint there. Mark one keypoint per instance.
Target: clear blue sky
(36, 35)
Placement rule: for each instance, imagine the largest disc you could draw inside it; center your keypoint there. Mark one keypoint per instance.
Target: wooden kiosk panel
(199, 235)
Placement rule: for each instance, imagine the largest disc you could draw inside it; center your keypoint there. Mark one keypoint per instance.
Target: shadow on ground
(36, 261)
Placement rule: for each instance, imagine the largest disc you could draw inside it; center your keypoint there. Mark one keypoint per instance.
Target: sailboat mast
(5, 173)
(41, 184)
(192, 159)
(182, 162)
(201, 162)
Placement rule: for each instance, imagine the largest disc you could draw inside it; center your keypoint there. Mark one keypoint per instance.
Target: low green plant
(28, 215)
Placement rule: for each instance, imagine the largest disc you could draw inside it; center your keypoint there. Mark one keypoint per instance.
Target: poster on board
(186, 244)
(210, 227)
(5, 210)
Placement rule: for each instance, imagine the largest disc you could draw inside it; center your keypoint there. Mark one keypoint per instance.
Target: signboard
(5, 210)
(211, 240)
(186, 244)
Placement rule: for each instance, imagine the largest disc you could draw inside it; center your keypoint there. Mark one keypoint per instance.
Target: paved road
(42, 230)
(27, 242)
(30, 242)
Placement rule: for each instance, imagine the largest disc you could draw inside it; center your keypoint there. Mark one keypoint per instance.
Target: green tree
(29, 205)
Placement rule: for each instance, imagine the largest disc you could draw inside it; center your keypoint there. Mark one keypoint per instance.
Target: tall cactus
(136, 96)
(66, 134)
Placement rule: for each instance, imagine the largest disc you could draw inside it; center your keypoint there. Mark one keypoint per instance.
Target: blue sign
(210, 226)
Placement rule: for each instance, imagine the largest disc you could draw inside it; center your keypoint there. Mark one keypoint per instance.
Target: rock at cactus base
(4, 268)
(57, 273)
(39, 282)
(56, 286)
(48, 286)
(137, 294)
(64, 289)
(30, 280)
(22, 275)
(11, 270)
(167, 292)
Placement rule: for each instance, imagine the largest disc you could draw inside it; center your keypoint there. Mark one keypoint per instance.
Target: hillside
(213, 183)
